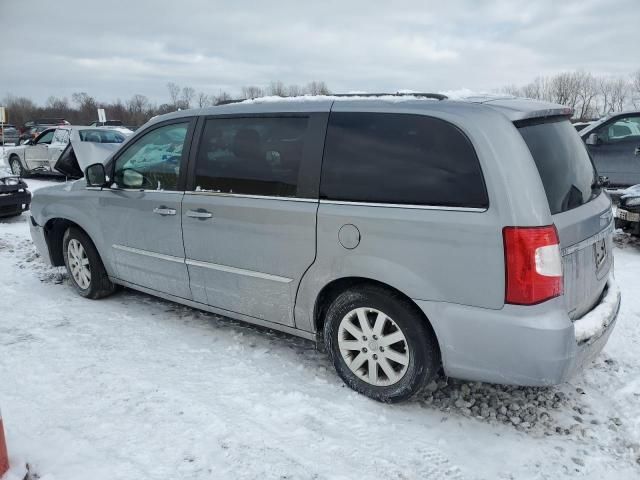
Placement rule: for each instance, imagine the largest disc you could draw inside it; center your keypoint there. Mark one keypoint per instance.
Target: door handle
(199, 214)
(164, 211)
(637, 152)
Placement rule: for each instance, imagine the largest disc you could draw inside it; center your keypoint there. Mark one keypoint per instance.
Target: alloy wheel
(16, 167)
(373, 346)
(79, 264)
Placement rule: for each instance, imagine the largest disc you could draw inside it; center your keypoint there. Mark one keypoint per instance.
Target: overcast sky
(114, 49)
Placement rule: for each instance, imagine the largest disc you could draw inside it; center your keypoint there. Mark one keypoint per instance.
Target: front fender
(72, 204)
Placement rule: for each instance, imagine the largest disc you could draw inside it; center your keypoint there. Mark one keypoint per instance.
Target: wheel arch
(15, 156)
(332, 289)
(54, 230)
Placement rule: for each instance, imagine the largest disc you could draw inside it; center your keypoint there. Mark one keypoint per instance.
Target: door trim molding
(239, 271)
(147, 253)
(198, 263)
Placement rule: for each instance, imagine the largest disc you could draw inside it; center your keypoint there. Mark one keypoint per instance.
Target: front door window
(153, 161)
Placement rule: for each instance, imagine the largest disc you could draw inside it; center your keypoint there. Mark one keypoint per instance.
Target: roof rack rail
(436, 96)
(227, 102)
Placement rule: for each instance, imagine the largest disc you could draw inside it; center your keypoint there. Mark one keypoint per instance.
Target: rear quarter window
(400, 159)
(566, 170)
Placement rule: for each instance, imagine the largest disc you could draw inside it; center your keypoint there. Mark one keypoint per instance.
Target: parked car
(14, 196)
(404, 236)
(628, 211)
(41, 154)
(32, 133)
(115, 124)
(614, 144)
(581, 125)
(31, 129)
(9, 134)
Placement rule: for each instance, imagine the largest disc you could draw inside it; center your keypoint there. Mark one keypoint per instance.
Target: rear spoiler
(516, 108)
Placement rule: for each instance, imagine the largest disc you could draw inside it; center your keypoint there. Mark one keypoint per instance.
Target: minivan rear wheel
(379, 344)
(84, 266)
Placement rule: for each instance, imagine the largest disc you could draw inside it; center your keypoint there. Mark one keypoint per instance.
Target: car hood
(79, 155)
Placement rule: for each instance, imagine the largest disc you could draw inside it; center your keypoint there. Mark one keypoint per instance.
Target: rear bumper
(14, 203)
(533, 346)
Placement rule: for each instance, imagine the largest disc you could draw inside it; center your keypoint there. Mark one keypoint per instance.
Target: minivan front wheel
(84, 266)
(379, 344)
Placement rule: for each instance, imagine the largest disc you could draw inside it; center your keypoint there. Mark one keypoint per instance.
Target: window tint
(625, 129)
(153, 161)
(46, 138)
(395, 158)
(255, 156)
(567, 173)
(101, 136)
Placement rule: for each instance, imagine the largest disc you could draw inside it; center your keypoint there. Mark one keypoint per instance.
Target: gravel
(547, 411)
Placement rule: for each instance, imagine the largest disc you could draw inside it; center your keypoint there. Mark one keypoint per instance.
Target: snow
(461, 94)
(136, 387)
(593, 324)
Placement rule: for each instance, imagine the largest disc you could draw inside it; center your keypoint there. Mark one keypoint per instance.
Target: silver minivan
(405, 235)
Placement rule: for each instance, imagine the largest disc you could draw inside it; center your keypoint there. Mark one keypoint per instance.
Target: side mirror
(593, 139)
(95, 175)
(28, 141)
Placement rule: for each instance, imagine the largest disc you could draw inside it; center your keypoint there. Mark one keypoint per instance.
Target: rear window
(566, 170)
(101, 136)
(400, 159)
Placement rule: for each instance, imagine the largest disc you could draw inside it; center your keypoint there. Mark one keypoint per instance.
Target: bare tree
(203, 100)
(174, 93)
(605, 86)
(222, 96)
(187, 95)
(138, 105)
(635, 89)
(87, 105)
(317, 88)
(277, 88)
(252, 91)
(294, 91)
(587, 93)
(619, 93)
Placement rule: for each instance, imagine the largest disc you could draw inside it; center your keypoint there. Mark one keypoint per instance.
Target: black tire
(422, 346)
(99, 285)
(16, 167)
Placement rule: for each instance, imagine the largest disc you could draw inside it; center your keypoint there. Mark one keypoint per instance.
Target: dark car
(628, 211)
(14, 196)
(8, 134)
(614, 145)
(30, 130)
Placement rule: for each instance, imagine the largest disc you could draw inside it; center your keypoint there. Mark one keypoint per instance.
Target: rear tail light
(533, 265)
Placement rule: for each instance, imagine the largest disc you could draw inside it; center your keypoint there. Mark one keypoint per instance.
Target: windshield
(565, 168)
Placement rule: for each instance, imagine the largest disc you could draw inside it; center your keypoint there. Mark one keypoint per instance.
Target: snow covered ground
(135, 387)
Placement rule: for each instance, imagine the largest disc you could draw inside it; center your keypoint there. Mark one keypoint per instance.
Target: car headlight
(11, 181)
(633, 202)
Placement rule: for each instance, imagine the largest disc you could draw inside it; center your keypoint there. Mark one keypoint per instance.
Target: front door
(37, 155)
(142, 210)
(58, 144)
(249, 219)
(616, 152)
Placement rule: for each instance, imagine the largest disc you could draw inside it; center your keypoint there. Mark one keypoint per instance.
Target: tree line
(590, 96)
(82, 108)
